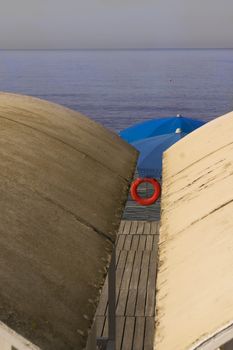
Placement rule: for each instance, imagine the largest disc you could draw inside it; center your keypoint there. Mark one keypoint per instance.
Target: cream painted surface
(9, 338)
(195, 275)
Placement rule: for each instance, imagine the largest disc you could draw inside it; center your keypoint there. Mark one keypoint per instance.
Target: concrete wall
(194, 303)
(64, 181)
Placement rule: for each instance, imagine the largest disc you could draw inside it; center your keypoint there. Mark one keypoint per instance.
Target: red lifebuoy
(145, 201)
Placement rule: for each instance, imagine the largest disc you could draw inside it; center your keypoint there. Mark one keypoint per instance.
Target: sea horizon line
(117, 49)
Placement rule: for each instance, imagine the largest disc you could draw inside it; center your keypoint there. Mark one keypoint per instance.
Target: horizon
(120, 49)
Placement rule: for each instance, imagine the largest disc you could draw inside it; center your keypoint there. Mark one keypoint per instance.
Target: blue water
(119, 88)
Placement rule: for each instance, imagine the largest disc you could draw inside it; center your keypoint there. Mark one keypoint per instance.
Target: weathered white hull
(10, 340)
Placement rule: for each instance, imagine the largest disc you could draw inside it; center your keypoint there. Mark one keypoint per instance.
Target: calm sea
(120, 88)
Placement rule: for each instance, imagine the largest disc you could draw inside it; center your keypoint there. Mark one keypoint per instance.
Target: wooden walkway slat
(154, 227)
(142, 290)
(120, 325)
(151, 285)
(147, 228)
(149, 329)
(121, 242)
(136, 271)
(140, 227)
(101, 309)
(135, 241)
(100, 325)
(127, 227)
(128, 241)
(134, 227)
(139, 333)
(121, 228)
(142, 243)
(127, 343)
(136, 254)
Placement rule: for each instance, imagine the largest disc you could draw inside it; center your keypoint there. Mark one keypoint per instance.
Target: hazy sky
(115, 23)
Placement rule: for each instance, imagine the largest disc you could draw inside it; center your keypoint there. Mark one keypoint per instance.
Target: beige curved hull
(63, 184)
(195, 284)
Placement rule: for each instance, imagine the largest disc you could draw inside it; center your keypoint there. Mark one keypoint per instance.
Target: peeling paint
(195, 268)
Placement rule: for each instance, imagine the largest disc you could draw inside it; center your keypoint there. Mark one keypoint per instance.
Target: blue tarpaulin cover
(151, 152)
(153, 137)
(155, 127)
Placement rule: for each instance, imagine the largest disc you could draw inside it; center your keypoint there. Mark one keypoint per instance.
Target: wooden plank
(124, 287)
(142, 242)
(138, 343)
(120, 242)
(149, 333)
(135, 241)
(155, 243)
(120, 324)
(127, 227)
(154, 227)
(121, 228)
(121, 304)
(128, 333)
(120, 272)
(151, 286)
(105, 328)
(100, 320)
(122, 259)
(128, 270)
(147, 228)
(136, 212)
(133, 288)
(134, 227)
(136, 270)
(101, 309)
(141, 298)
(128, 241)
(117, 256)
(149, 242)
(140, 228)
(131, 302)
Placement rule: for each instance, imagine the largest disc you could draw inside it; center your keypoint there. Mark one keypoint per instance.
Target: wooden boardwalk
(134, 211)
(136, 255)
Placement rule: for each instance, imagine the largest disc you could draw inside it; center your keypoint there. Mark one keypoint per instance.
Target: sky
(112, 24)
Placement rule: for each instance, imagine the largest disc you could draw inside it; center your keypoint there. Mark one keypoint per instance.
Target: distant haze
(70, 24)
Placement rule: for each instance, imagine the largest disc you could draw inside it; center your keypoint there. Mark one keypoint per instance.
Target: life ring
(145, 201)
